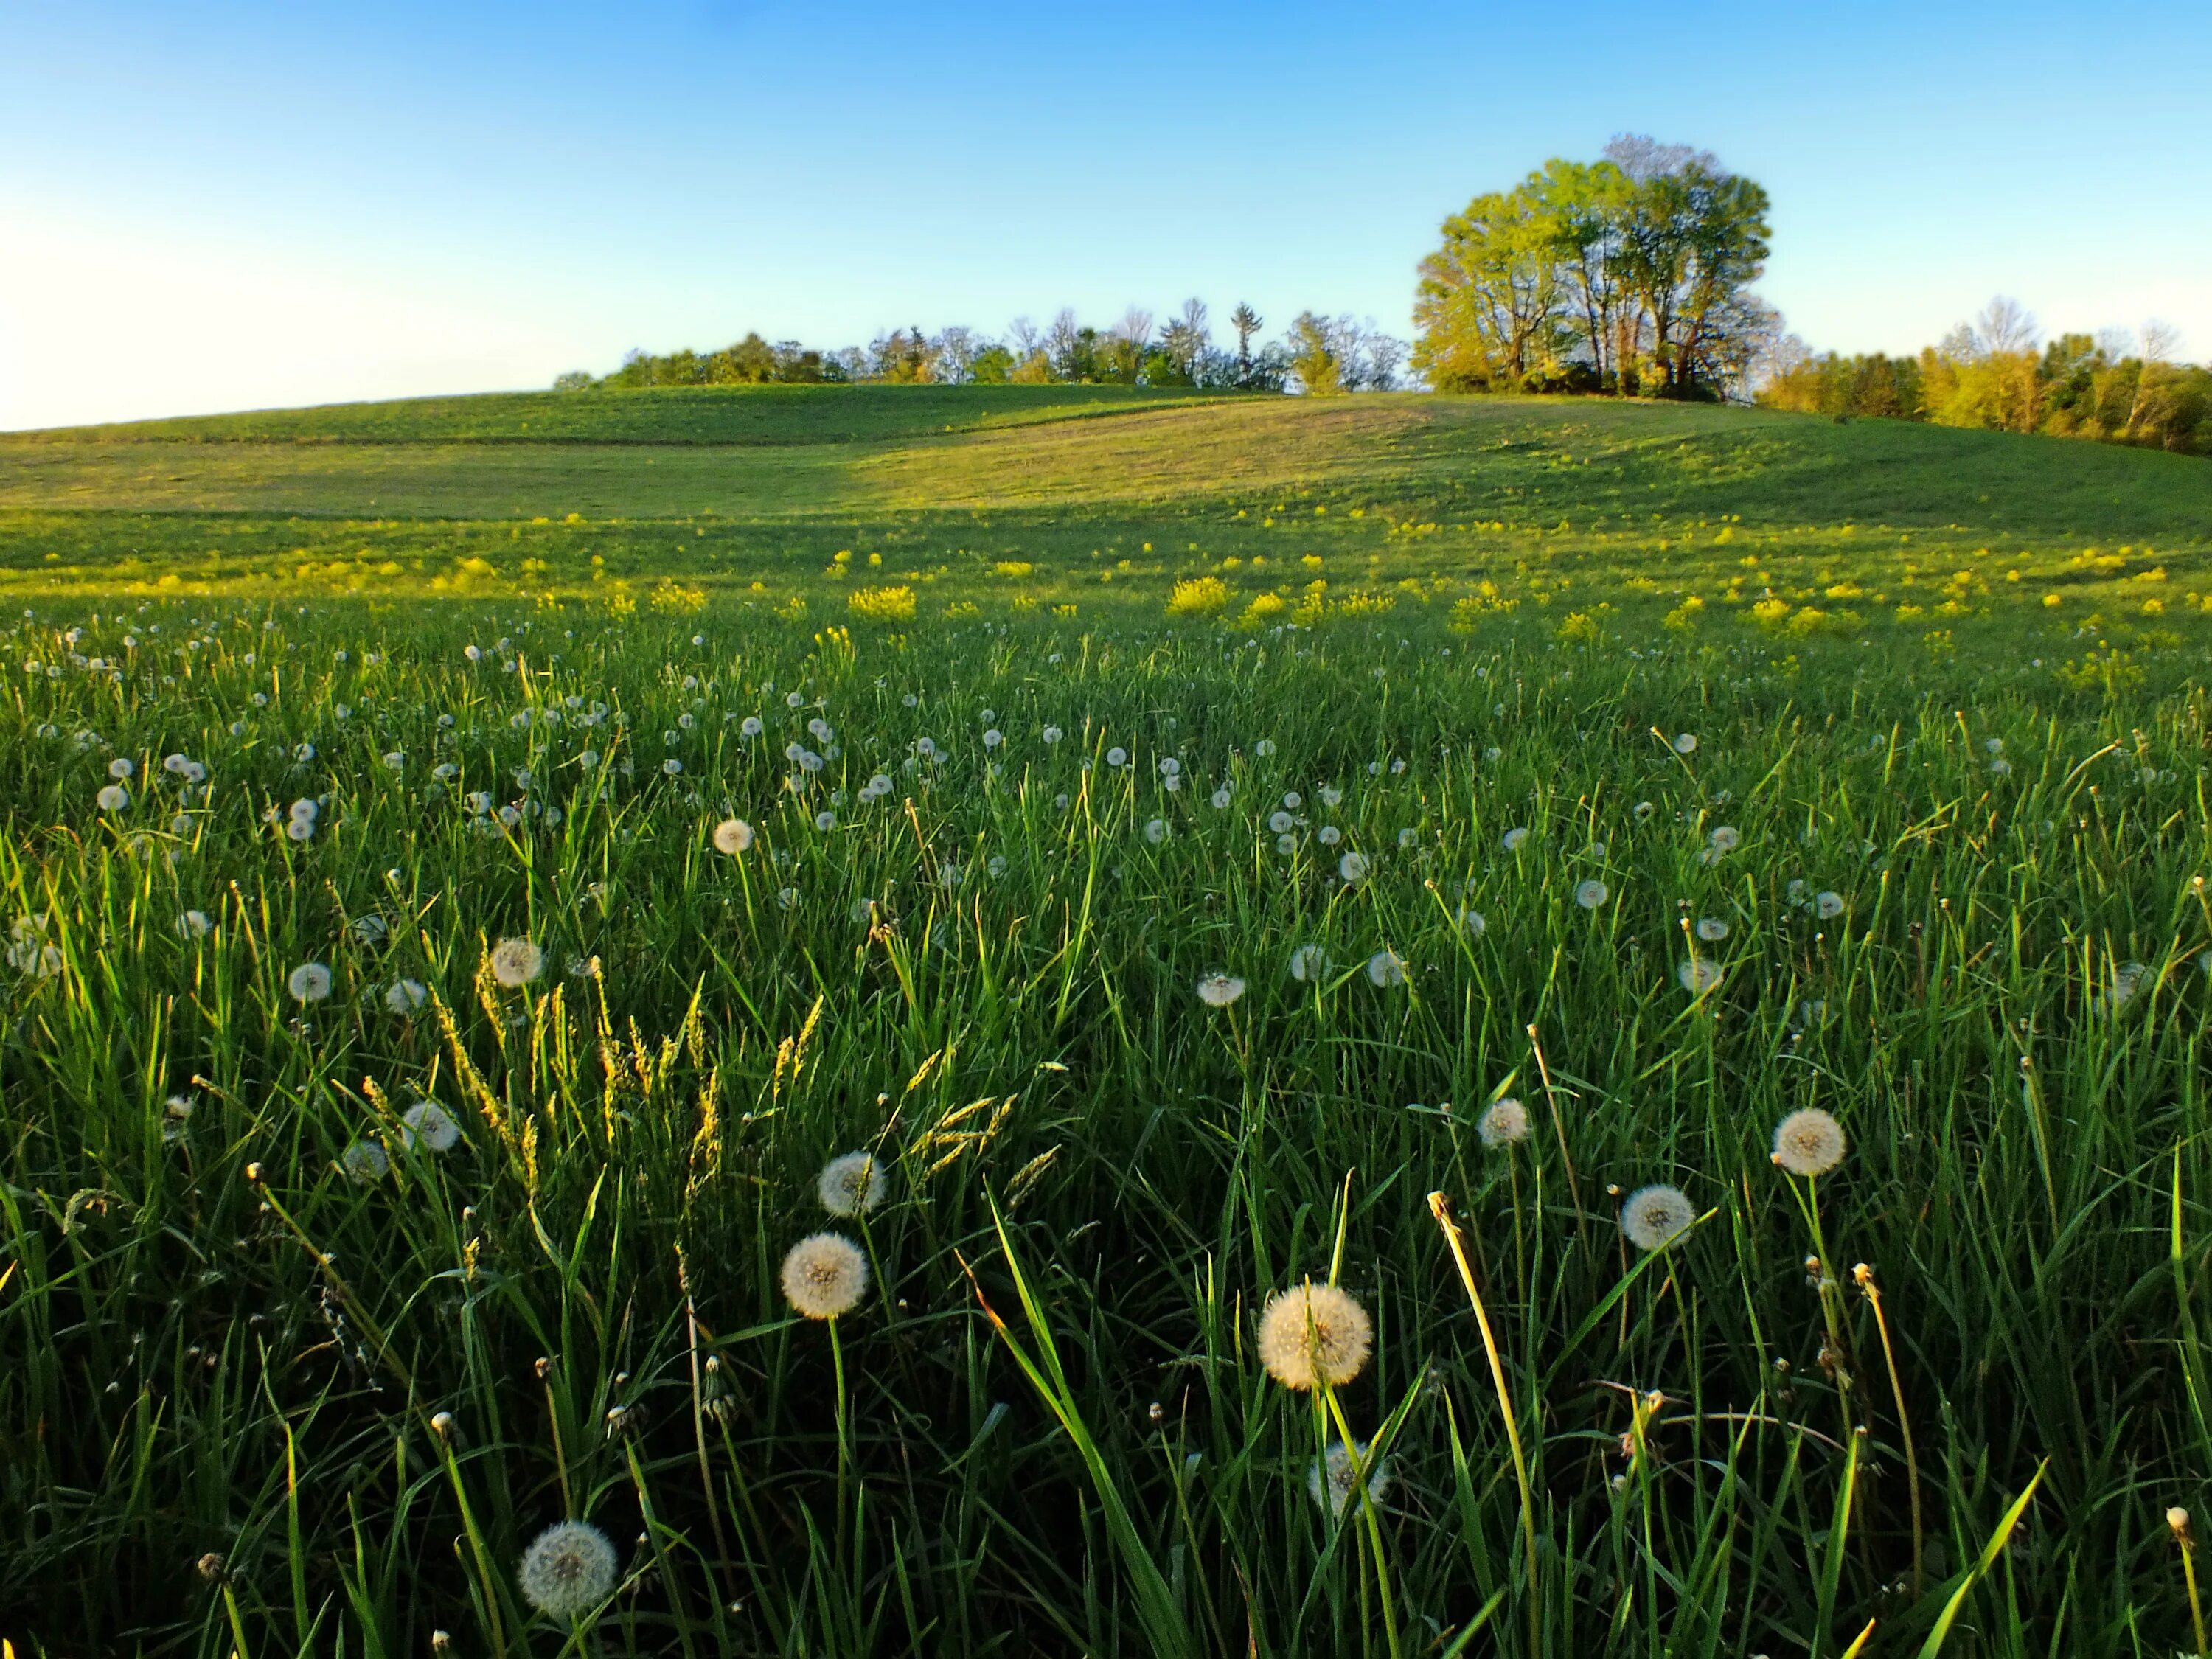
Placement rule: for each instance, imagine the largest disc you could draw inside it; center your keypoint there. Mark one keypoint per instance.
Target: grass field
(1181, 836)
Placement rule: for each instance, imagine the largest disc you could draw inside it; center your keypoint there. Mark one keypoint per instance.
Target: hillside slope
(1072, 488)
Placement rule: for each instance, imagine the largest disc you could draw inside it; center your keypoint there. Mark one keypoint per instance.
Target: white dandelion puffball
(672, 767)
(1386, 968)
(1698, 977)
(1725, 839)
(1655, 1217)
(1591, 893)
(431, 1124)
(1117, 756)
(1052, 734)
(1515, 839)
(309, 982)
(516, 962)
(1314, 1335)
(1470, 920)
(1828, 905)
(366, 1161)
(114, 798)
(406, 996)
(119, 768)
(1279, 821)
(825, 821)
(733, 837)
(1337, 1477)
(300, 828)
(1221, 798)
(824, 1275)
(194, 924)
(1685, 743)
(568, 1570)
(1329, 834)
(307, 809)
(1156, 831)
(1712, 930)
(1309, 962)
(1808, 1142)
(1220, 990)
(1331, 796)
(852, 1184)
(1352, 868)
(1505, 1124)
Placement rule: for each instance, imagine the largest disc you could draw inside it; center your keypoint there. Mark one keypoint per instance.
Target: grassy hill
(1108, 496)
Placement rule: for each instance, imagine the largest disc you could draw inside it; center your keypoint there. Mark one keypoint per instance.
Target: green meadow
(1304, 920)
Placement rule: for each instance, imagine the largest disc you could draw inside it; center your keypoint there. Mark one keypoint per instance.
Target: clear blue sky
(239, 203)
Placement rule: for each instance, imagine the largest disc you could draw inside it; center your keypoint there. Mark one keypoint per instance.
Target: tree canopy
(1630, 274)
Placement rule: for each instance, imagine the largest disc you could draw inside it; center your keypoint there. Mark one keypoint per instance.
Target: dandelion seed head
(1336, 1477)
(853, 1183)
(1220, 990)
(733, 837)
(366, 1161)
(1655, 1216)
(1386, 968)
(568, 1570)
(1311, 962)
(431, 1124)
(1808, 1142)
(1591, 893)
(516, 962)
(1699, 977)
(824, 1275)
(309, 982)
(1314, 1335)
(1505, 1124)
(1351, 869)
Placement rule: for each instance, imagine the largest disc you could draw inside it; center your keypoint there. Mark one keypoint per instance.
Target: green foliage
(2076, 386)
(1631, 275)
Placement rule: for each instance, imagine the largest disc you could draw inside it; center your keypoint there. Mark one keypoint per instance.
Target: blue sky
(238, 204)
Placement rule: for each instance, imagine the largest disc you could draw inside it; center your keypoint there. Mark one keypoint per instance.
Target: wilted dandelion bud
(568, 1571)
(1314, 1335)
(1156, 1414)
(441, 1424)
(2176, 1522)
(543, 1367)
(440, 1642)
(824, 1275)
(1862, 1274)
(212, 1567)
(253, 1174)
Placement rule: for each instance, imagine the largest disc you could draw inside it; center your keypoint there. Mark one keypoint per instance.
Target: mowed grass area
(1156, 964)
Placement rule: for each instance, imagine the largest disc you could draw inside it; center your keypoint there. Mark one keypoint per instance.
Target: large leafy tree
(1632, 273)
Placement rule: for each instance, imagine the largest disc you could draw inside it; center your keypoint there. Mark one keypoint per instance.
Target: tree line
(1317, 355)
(1997, 373)
(1631, 275)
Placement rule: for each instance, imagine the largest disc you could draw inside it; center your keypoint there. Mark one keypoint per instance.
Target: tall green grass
(252, 1401)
